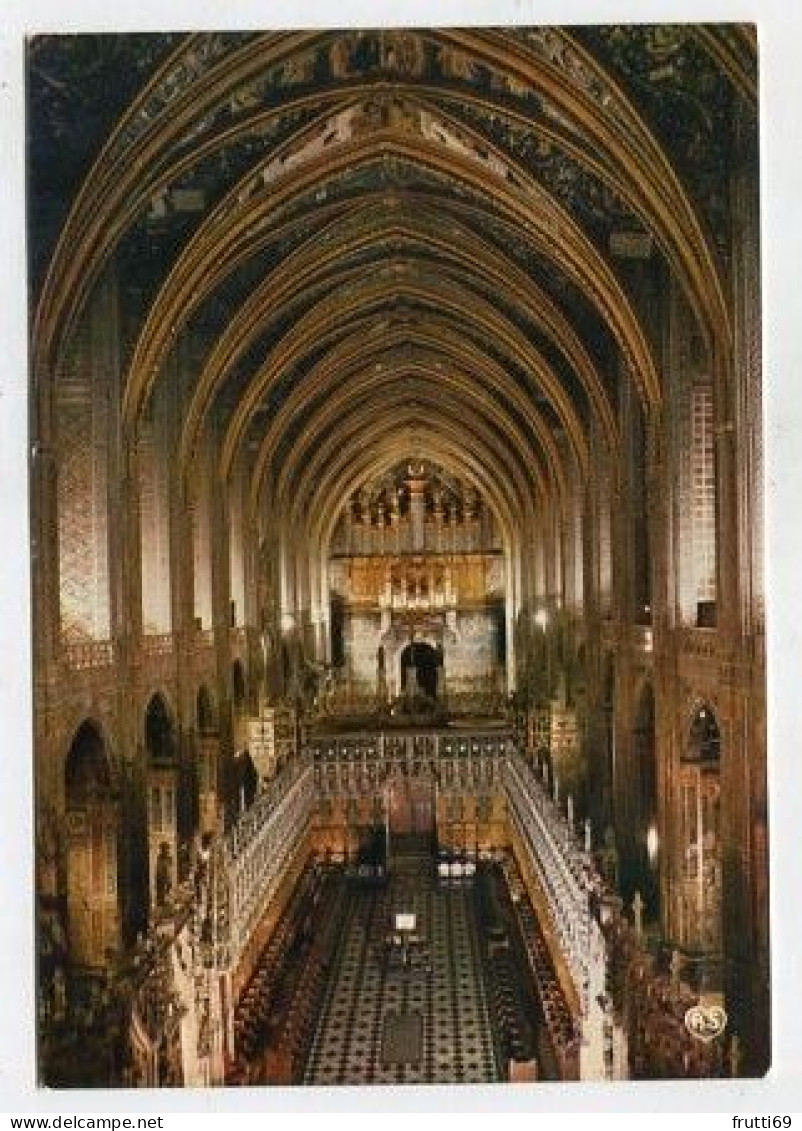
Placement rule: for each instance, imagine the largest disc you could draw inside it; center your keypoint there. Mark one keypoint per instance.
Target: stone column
(417, 509)
(743, 764)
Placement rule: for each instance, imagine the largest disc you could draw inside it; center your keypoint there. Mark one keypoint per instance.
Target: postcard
(397, 550)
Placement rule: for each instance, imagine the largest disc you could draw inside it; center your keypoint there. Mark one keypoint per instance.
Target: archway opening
(704, 744)
(238, 687)
(420, 665)
(247, 780)
(337, 622)
(159, 732)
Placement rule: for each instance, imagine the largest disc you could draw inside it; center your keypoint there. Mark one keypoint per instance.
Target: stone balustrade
(259, 849)
(356, 765)
(204, 638)
(700, 642)
(87, 655)
(158, 644)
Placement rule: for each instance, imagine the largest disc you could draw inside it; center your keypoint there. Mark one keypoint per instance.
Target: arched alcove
(700, 902)
(286, 668)
(91, 854)
(643, 743)
(577, 688)
(159, 731)
(162, 776)
(239, 688)
(205, 714)
(704, 740)
(247, 780)
(86, 770)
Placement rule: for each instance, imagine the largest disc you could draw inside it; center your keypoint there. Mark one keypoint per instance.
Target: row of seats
(258, 1006)
(562, 1031)
(288, 1051)
(513, 1008)
(454, 864)
(516, 1034)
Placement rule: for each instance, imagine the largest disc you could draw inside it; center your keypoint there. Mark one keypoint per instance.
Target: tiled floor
(447, 989)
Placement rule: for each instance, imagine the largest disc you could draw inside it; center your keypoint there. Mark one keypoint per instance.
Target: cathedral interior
(397, 556)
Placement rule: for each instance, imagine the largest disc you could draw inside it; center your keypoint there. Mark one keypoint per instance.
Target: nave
(420, 1018)
(396, 470)
(414, 956)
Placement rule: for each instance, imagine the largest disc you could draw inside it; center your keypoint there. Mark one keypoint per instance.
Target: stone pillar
(395, 524)
(743, 764)
(134, 866)
(509, 613)
(417, 509)
(44, 559)
(350, 519)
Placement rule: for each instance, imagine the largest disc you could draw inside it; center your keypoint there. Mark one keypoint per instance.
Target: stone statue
(164, 874)
(675, 968)
(609, 858)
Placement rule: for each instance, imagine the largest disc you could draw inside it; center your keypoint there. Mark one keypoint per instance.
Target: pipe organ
(416, 509)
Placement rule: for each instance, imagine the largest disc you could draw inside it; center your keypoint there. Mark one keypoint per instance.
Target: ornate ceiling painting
(372, 210)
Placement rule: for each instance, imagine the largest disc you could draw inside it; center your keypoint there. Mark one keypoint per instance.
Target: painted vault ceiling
(360, 242)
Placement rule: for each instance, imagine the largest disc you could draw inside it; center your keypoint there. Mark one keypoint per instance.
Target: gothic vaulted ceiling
(369, 244)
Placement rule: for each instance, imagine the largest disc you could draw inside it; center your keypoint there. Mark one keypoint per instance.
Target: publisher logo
(706, 1022)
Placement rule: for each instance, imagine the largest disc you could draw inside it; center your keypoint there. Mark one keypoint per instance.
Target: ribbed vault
(380, 245)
